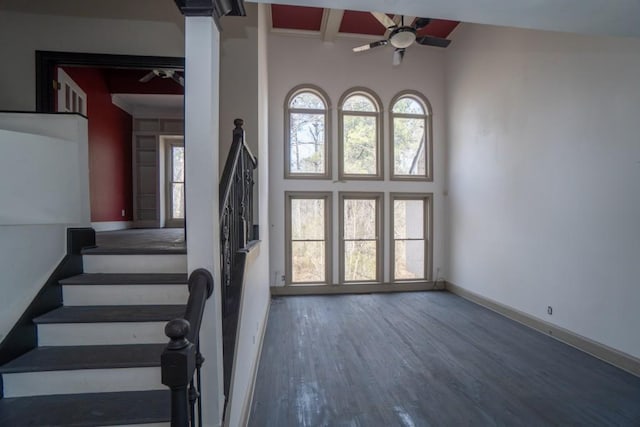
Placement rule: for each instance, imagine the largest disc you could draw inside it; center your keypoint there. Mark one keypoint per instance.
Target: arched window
(307, 154)
(411, 148)
(360, 153)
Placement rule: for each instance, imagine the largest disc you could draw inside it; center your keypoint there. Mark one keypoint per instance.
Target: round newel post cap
(177, 330)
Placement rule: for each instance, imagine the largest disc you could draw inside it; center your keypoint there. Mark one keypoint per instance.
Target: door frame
(47, 61)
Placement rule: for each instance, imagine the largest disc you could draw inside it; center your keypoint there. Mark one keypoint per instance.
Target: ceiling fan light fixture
(402, 37)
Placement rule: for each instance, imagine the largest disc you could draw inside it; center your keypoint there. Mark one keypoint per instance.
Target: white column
(202, 71)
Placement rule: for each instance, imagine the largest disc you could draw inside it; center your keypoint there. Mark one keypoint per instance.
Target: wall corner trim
(598, 350)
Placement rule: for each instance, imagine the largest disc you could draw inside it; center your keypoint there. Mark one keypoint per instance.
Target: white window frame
(373, 97)
(327, 196)
(428, 135)
(427, 228)
(288, 174)
(379, 198)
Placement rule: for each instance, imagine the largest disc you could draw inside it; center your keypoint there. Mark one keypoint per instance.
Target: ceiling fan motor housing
(402, 37)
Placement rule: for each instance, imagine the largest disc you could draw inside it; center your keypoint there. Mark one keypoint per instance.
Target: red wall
(110, 133)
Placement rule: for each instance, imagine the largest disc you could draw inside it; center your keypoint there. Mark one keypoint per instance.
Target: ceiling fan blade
(398, 54)
(147, 77)
(384, 19)
(433, 41)
(370, 46)
(178, 79)
(421, 23)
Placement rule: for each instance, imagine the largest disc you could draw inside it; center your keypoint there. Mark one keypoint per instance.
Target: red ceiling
(127, 81)
(361, 23)
(310, 18)
(296, 17)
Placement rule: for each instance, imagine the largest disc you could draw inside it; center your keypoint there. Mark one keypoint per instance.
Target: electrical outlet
(123, 213)
(549, 310)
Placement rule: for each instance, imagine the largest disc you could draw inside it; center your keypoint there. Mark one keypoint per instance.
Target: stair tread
(134, 251)
(86, 357)
(112, 314)
(125, 279)
(91, 409)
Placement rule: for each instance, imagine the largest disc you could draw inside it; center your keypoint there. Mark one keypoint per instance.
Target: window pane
(358, 103)
(307, 263)
(177, 162)
(360, 261)
(408, 106)
(307, 219)
(408, 219)
(360, 219)
(307, 100)
(359, 145)
(409, 259)
(177, 201)
(307, 143)
(408, 147)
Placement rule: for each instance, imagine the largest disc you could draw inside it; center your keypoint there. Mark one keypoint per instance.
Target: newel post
(178, 363)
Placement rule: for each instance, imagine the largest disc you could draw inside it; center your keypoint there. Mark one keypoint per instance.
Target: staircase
(98, 357)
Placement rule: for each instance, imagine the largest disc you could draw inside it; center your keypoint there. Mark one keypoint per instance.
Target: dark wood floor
(140, 241)
(426, 359)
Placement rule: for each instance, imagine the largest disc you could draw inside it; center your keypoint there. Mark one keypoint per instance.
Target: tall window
(411, 153)
(308, 231)
(360, 154)
(361, 237)
(307, 154)
(411, 247)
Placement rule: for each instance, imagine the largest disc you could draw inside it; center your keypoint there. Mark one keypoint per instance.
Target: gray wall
(544, 168)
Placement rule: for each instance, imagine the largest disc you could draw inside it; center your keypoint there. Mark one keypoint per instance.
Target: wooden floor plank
(426, 359)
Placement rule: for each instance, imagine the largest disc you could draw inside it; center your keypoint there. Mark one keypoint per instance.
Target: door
(175, 183)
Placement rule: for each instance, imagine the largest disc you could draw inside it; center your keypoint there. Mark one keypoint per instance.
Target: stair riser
(124, 294)
(81, 381)
(62, 334)
(135, 263)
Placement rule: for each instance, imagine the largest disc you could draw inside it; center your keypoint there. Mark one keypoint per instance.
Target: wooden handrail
(181, 358)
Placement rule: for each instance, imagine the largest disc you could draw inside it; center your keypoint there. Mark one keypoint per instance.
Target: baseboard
(601, 351)
(111, 225)
(246, 406)
(354, 289)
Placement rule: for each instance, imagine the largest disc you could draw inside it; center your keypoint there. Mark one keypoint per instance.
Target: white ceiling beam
(331, 20)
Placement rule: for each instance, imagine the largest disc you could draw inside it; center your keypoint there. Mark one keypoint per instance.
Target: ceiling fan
(402, 36)
(163, 73)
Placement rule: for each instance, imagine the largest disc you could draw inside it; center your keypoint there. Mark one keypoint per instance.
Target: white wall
(256, 296)
(239, 78)
(38, 150)
(22, 34)
(544, 173)
(202, 66)
(335, 68)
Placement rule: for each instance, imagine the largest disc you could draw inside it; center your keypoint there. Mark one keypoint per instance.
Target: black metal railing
(236, 201)
(236, 231)
(181, 359)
